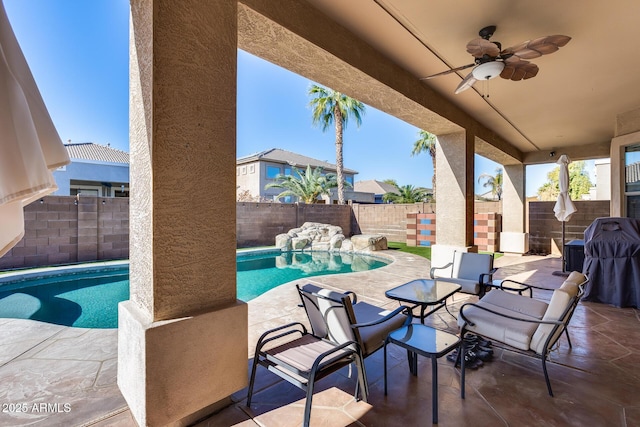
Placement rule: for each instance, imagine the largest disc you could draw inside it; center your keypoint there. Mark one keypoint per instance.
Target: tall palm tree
(427, 142)
(406, 194)
(329, 106)
(494, 182)
(307, 186)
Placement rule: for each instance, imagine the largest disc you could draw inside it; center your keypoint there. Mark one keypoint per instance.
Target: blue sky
(78, 51)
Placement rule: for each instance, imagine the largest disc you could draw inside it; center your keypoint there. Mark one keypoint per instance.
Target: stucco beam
(296, 36)
(598, 150)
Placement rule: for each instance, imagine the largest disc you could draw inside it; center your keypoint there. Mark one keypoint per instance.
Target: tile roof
(97, 152)
(373, 186)
(278, 155)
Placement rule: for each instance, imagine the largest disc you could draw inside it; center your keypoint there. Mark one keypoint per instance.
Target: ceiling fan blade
(453, 70)
(519, 70)
(537, 47)
(466, 83)
(480, 47)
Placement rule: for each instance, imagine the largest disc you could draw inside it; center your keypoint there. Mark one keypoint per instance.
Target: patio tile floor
(595, 383)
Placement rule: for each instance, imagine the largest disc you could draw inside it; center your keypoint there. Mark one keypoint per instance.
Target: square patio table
(425, 341)
(424, 293)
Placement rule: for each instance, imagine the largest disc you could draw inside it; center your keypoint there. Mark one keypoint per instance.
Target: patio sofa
(523, 323)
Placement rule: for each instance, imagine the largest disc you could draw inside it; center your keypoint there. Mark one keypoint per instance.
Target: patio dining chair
(522, 323)
(340, 318)
(472, 271)
(303, 359)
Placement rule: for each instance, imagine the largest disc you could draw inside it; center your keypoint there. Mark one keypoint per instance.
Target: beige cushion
(560, 300)
(576, 277)
(373, 336)
(516, 303)
(470, 266)
(303, 352)
(512, 332)
(466, 286)
(570, 288)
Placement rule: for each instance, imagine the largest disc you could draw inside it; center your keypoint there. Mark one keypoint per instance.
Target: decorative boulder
(283, 241)
(314, 236)
(369, 242)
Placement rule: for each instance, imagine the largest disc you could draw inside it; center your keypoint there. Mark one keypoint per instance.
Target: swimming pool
(89, 299)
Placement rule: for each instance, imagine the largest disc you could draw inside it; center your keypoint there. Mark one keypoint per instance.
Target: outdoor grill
(612, 261)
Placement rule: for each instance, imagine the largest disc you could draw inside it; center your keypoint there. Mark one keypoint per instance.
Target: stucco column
(454, 196)
(182, 337)
(513, 237)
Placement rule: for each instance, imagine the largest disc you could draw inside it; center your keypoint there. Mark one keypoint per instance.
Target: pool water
(90, 299)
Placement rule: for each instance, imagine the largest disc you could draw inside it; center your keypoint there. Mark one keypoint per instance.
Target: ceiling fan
(511, 63)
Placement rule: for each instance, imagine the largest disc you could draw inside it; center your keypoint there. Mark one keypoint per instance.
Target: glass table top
(423, 291)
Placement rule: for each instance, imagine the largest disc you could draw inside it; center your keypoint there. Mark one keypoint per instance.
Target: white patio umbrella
(564, 207)
(30, 147)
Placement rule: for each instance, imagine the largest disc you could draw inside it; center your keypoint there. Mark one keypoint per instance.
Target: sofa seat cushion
(516, 303)
(373, 336)
(467, 286)
(511, 332)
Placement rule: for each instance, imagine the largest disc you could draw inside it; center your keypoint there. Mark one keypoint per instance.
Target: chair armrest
(488, 276)
(402, 308)
(354, 300)
(265, 337)
(433, 269)
(319, 363)
(506, 316)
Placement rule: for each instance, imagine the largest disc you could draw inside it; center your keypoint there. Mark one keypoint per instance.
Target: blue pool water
(90, 299)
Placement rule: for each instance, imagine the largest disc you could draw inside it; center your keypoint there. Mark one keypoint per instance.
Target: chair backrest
(561, 307)
(328, 313)
(469, 265)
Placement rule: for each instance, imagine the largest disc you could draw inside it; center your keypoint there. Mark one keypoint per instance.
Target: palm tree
(330, 107)
(406, 194)
(427, 142)
(493, 182)
(307, 186)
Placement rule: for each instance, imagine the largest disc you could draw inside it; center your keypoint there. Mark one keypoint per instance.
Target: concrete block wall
(258, 224)
(486, 231)
(545, 231)
(387, 219)
(421, 229)
(59, 231)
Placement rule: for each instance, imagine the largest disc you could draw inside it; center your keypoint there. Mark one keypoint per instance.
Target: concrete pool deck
(54, 375)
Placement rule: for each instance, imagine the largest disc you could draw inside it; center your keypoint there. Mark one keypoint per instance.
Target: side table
(425, 341)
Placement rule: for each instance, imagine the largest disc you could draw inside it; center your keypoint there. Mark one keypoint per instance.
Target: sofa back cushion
(560, 300)
(469, 265)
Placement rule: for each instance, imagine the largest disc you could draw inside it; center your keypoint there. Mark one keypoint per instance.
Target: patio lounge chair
(305, 359)
(360, 322)
(472, 271)
(523, 323)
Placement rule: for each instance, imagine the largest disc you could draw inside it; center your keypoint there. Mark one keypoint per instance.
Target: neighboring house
(95, 170)
(378, 188)
(254, 172)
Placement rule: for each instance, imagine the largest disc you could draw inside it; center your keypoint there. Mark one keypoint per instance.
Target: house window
(632, 180)
(349, 179)
(287, 171)
(272, 172)
(252, 168)
(244, 170)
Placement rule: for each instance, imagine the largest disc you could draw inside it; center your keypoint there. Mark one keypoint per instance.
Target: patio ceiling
(570, 106)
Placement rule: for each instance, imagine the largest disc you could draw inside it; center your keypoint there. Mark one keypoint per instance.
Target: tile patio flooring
(72, 371)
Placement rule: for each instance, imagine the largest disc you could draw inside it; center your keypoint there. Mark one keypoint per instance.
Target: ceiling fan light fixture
(488, 70)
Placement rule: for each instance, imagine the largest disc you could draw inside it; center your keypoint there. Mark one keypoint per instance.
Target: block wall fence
(64, 230)
(545, 231)
(59, 231)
